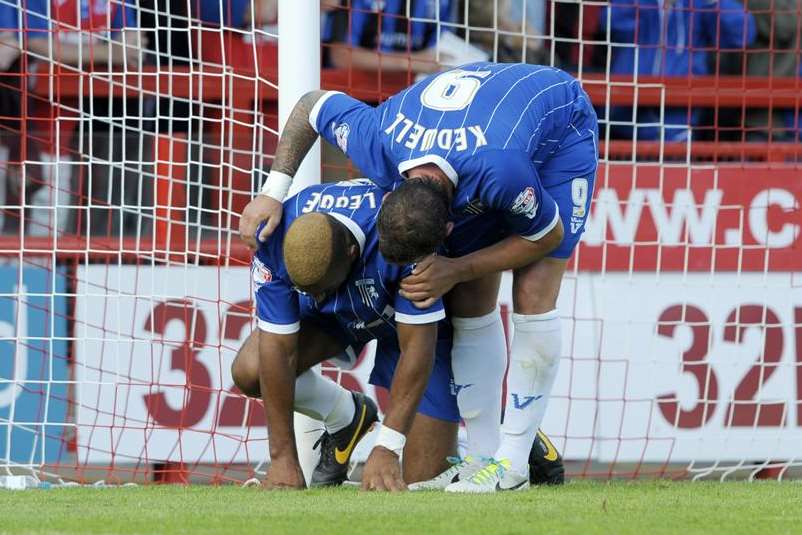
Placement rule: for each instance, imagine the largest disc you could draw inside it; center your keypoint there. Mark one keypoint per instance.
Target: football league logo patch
(525, 203)
(260, 273)
(341, 135)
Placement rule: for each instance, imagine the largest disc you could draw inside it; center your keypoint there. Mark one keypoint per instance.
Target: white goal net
(133, 133)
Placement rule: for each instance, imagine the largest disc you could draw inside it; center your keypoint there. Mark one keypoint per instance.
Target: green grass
(579, 507)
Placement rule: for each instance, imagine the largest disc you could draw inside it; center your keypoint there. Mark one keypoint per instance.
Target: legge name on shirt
(417, 137)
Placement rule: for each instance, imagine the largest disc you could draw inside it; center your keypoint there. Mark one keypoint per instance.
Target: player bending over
(513, 149)
(323, 292)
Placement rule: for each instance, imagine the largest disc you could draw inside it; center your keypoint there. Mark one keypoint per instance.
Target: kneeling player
(324, 290)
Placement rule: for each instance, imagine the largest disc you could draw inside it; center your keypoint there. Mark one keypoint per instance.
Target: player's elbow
(308, 101)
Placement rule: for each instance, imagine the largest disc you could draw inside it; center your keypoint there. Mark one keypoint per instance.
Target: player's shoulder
(494, 174)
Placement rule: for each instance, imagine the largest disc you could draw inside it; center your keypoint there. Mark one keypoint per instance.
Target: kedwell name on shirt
(417, 137)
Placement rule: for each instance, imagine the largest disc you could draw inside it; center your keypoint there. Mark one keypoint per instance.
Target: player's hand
(383, 471)
(433, 277)
(284, 475)
(261, 209)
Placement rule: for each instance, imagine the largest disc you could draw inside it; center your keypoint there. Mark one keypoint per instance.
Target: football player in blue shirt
(513, 148)
(323, 291)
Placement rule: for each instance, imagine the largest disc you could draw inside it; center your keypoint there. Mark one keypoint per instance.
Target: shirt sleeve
(353, 127)
(407, 312)
(512, 186)
(277, 307)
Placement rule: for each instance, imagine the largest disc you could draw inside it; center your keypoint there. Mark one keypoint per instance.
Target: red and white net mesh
(125, 291)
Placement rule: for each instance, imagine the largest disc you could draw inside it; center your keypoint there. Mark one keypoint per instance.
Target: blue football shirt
(489, 126)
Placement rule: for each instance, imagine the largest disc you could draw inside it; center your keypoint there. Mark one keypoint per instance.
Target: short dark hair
(413, 221)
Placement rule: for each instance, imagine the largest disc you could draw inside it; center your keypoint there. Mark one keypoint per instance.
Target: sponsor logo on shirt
(417, 137)
(525, 203)
(341, 132)
(261, 273)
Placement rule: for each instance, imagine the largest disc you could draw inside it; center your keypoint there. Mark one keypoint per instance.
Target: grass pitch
(579, 507)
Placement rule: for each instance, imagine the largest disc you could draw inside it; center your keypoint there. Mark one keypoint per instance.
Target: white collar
(439, 161)
(351, 225)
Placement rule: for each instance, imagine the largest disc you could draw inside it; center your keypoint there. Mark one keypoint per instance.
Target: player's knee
(534, 299)
(245, 373)
(535, 287)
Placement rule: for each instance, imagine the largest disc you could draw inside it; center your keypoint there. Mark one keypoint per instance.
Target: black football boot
(336, 448)
(545, 462)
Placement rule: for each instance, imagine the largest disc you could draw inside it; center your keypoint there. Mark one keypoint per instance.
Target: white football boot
(461, 468)
(494, 475)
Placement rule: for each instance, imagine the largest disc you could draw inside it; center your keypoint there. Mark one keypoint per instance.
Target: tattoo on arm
(297, 137)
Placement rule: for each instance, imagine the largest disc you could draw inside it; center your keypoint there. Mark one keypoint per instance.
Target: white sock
(322, 399)
(478, 360)
(534, 361)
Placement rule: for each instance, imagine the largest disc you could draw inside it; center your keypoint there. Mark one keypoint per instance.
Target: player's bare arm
(294, 143)
(278, 362)
(436, 275)
(383, 468)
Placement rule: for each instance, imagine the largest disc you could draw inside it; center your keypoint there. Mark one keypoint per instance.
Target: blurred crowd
(107, 141)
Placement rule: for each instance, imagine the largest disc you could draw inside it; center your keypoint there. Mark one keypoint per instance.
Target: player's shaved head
(318, 253)
(413, 220)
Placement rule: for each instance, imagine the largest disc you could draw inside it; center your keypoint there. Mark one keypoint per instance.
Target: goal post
(125, 291)
(299, 37)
